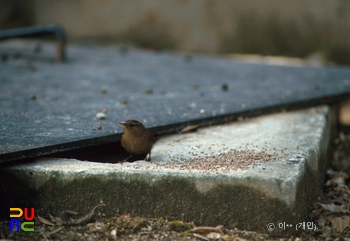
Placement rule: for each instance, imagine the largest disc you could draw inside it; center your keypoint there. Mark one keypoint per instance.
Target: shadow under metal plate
(47, 108)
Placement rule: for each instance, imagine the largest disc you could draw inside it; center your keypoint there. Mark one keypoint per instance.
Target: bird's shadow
(105, 153)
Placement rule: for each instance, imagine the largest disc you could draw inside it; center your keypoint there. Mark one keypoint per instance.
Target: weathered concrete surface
(245, 174)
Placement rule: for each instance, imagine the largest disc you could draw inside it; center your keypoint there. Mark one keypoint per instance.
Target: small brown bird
(136, 139)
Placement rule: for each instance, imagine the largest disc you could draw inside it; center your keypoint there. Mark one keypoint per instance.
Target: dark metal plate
(47, 108)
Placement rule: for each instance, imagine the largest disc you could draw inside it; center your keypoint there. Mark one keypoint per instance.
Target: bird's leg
(126, 159)
(149, 157)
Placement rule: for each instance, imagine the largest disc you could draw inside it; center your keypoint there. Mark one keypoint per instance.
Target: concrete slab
(245, 174)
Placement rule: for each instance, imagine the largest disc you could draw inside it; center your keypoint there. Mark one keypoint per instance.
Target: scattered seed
(123, 50)
(149, 92)
(224, 162)
(32, 67)
(224, 87)
(189, 129)
(4, 57)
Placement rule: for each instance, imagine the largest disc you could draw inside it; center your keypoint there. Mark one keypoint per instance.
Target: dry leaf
(85, 218)
(200, 236)
(207, 230)
(45, 221)
(340, 223)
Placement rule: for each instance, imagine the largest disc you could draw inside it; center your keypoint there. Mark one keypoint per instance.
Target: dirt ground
(331, 214)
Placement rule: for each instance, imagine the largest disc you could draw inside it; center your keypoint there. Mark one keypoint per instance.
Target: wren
(136, 140)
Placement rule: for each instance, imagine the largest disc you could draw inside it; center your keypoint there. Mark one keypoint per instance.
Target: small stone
(37, 48)
(114, 234)
(97, 227)
(192, 105)
(214, 236)
(101, 116)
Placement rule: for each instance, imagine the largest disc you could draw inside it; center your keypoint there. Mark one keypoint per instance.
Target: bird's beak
(122, 123)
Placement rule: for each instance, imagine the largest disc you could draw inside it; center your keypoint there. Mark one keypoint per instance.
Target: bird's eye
(132, 125)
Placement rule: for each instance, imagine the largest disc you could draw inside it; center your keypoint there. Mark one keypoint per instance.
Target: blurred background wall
(270, 27)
